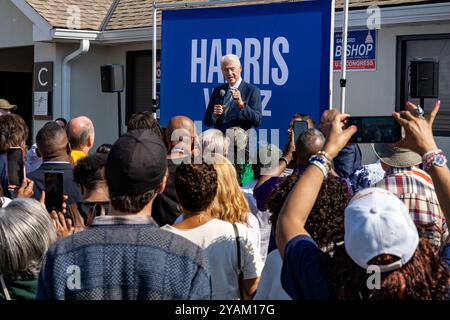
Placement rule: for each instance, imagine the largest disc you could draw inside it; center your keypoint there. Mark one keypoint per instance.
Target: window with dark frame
(436, 47)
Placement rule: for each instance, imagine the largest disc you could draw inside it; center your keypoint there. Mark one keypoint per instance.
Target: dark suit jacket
(246, 118)
(70, 187)
(348, 160)
(166, 208)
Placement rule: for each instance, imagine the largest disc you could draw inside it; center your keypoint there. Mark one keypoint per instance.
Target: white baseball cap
(377, 222)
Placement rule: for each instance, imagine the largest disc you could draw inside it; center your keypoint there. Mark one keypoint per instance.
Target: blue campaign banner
(284, 51)
(361, 50)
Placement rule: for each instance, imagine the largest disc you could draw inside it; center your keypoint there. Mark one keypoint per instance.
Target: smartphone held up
(16, 167)
(54, 191)
(375, 129)
(299, 127)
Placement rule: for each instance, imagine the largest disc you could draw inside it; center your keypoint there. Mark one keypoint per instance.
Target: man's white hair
(230, 58)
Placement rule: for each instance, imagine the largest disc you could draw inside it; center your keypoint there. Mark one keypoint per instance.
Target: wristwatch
(439, 160)
(434, 158)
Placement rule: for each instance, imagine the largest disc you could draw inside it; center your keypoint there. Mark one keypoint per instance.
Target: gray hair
(26, 232)
(230, 58)
(80, 139)
(214, 141)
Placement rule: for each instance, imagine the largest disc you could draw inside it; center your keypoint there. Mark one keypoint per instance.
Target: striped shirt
(415, 188)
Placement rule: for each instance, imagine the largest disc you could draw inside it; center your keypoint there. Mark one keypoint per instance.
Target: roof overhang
(106, 37)
(390, 16)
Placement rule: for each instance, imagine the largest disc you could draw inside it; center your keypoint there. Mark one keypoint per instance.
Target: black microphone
(220, 100)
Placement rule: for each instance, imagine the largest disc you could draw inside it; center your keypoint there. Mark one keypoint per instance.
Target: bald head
(80, 131)
(52, 142)
(309, 143)
(178, 130)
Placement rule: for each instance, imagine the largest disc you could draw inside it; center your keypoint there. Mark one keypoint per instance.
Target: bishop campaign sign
(284, 51)
(361, 50)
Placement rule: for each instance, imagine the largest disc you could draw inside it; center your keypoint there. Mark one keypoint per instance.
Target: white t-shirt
(252, 224)
(269, 287)
(218, 239)
(264, 227)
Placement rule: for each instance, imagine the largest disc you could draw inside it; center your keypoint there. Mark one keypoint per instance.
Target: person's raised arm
(419, 138)
(296, 209)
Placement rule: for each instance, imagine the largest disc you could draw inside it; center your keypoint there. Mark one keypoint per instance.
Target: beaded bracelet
(322, 159)
(433, 158)
(321, 166)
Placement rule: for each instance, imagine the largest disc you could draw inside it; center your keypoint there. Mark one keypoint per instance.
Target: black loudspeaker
(424, 79)
(112, 78)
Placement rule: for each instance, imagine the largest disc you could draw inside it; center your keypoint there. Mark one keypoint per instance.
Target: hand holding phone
(26, 189)
(54, 191)
(300, 126)
(16, 167)
(375, 129)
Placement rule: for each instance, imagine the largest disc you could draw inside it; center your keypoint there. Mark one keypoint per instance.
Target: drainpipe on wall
(66, 72)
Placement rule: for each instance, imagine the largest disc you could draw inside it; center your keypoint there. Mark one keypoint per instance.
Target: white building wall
(372, 93)
(44, 52)
(88, 99)
(15, 29)
(86, 96)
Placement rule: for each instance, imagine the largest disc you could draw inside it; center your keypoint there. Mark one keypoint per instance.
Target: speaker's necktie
(227, 100)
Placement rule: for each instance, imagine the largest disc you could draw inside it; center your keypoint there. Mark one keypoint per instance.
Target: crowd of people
(172, 213)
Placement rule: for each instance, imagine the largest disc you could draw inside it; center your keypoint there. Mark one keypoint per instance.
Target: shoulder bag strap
(240, 273)
(77, 219)
(96, 210)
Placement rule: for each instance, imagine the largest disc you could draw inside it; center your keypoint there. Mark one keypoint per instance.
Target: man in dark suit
(53, 146)
(236, 103)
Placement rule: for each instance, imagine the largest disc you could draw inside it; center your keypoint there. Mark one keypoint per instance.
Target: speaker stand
(119, 105)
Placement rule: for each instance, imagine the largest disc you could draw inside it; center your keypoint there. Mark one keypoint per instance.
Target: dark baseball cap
(136, 163)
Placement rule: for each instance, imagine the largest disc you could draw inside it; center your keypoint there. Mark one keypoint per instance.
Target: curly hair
(424, 277)
(13, 132)
(196, 186)
(89, 171)
(325, 223)
(230, 203)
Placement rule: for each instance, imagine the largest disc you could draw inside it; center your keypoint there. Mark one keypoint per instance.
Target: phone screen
(54, 191)
(300, 126)
(383, 129)
(15, 166)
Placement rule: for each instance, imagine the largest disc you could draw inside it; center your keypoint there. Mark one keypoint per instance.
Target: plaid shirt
(415, 188)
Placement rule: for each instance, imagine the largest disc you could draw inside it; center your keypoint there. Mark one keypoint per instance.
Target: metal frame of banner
(174, 5)
(343, 80)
